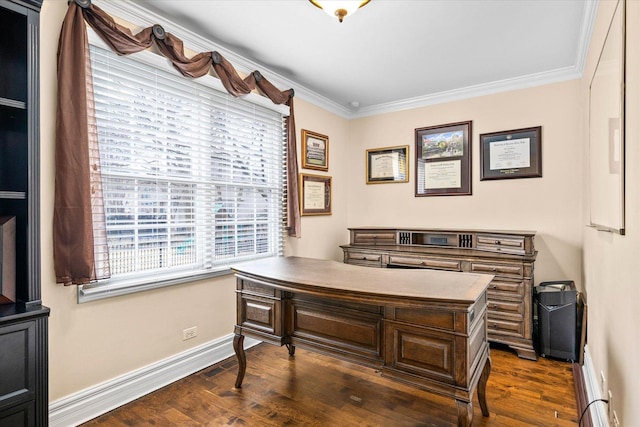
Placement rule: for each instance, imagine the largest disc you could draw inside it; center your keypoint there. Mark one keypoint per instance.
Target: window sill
(109, 289)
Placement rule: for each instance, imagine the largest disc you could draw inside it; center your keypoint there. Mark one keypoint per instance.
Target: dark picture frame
(388, 165)
(315, 151)
(443, 160)
(315, 194)
(511, 154)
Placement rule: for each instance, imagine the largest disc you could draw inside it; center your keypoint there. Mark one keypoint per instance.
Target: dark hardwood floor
(316, 390)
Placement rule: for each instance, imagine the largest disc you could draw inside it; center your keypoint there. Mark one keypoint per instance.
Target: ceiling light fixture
(339, 8)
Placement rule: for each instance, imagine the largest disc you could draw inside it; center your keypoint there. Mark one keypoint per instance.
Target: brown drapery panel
(76, 164)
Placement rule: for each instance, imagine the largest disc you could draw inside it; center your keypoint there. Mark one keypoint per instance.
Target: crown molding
(139, 16)
(523, 82)
(586, 30)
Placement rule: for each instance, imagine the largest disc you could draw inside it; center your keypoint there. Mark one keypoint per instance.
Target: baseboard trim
(582, 399)
(101, 398)
(589, 391)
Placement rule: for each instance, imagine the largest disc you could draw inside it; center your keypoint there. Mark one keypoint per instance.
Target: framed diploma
(443, 160)
(315, 151)
(388, 164)
(511, 154)
(315, 194)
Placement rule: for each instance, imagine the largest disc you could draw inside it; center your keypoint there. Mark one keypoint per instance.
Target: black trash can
(556, 306)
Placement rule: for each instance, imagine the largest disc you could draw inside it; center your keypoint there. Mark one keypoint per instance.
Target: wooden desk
(423, 327)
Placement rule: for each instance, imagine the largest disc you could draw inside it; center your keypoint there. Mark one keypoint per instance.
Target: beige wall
(549, 205)
(94, 342)
(610, 260)
(322, 234)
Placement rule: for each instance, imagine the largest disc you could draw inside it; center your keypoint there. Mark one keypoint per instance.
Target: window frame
(113, 287)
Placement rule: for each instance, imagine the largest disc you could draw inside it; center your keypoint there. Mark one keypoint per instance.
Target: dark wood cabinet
(23, 318)
(508, 255)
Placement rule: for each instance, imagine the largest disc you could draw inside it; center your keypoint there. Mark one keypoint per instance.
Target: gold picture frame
(315, 151)
(315, 194)
(388, 165)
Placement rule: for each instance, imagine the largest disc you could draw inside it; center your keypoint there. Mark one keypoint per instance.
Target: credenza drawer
(504, 327)
(511, 309)
(506, 288)
(507, 270)
(374, 237)
(500, 243)
(363, 258)
(426, 262)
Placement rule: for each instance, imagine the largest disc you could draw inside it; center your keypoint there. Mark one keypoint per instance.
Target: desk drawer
(506, 270)
(426, 262)
(260, 314)
(355, 329)
(255, 288)
(422, 352)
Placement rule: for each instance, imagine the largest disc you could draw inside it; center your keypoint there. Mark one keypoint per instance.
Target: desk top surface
(312, 273)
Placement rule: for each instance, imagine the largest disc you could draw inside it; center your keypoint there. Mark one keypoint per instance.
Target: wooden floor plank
(316, 390)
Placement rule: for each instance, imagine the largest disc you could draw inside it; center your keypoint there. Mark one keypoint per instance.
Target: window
(193, 178)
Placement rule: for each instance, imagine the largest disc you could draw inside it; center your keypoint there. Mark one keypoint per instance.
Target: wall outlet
(189, 333)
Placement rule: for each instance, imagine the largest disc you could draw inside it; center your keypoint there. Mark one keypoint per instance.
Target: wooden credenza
(508, 255)
(422, 327)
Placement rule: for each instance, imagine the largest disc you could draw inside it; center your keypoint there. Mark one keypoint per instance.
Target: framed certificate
(315, 194)
(315, 151)
(511, 154)
(443, 160)
(386, 165)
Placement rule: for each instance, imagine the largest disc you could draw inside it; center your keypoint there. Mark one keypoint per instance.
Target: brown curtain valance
(78, 254)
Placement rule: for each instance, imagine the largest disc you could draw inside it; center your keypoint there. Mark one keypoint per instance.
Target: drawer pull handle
(493, 326)
(495, 306)
(494, 286)
(497, 242)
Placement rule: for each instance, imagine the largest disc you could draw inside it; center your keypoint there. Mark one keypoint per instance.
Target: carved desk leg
(482, 387)
(291, 348)
(465, 413)
(238, 347)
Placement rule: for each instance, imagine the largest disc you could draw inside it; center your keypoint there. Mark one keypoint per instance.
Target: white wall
(610, 274)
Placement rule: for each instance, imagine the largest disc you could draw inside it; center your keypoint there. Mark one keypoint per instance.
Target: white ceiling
(392, 54)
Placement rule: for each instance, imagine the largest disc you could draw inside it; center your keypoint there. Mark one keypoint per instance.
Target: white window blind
(193, 178)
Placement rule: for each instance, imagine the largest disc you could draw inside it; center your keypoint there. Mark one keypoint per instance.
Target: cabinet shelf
(13, 195)
(12, 103)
